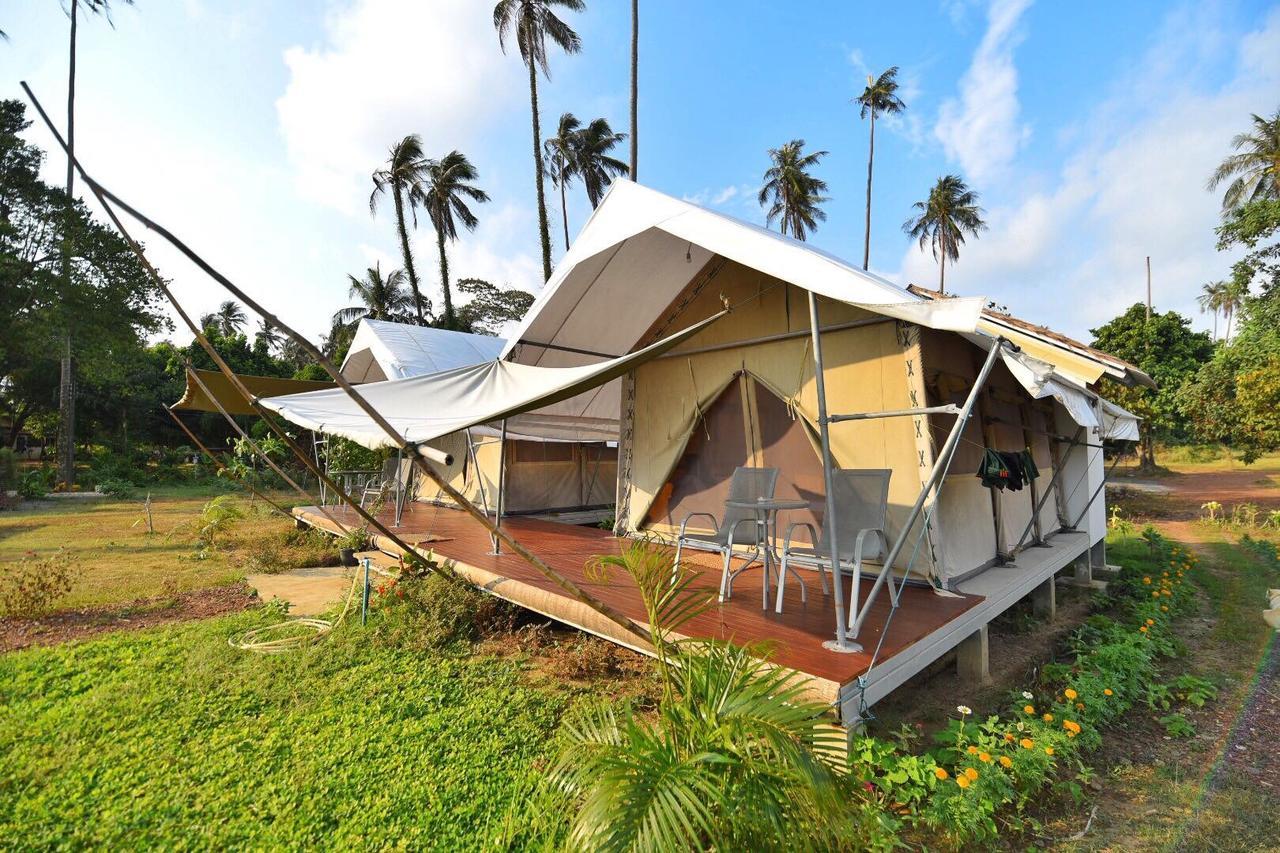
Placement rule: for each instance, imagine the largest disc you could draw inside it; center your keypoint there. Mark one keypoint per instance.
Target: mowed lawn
(169, 738)
(116, 559)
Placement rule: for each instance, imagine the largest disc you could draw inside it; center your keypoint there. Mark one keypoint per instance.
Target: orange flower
(1006, 761)
(1048, 750)
(984, 757)
(1028, 709)
(1071, 734)
(1155, 593)
(1164, 608)
(972, 750)
(940, 773)
(1106, 691)
(971, 774)
(1071, 726)
(1079, 706)
(1168, 593)
(1151, 621)
(1143, 629)
(1026, 743)
(1069, 693)
(962, 781)
(1008, 737)
(1146, 580)
(1048, 718)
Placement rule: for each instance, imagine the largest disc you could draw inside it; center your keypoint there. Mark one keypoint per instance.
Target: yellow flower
(1029, 709)
(1106, 691)
(1069, 693)
(1151, 621)
(1026, 743)
(1146, 580)
(1071, 734)
(1155, 593)
(1008, 737)
(971, 774)
(1071, 726)
(1164, 608)
(984, 757)
(1048, 718)
(1006, 761)
(1048, 750)
(1168, 593)
(962, 781)
(940, 773)
(1143, 629)
(972, 750)
(1165, 574)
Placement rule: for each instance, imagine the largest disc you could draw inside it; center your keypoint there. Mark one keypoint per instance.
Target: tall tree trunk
(1147, 453)
(942, 274)
(635, 70)
(408, 255)
(544, 231)
(1215, 324)
(444, 280)
(564, 209)
(871, 156)
(66, 382)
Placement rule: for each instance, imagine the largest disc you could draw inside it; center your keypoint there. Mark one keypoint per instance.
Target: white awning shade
(423, 408)
(1118, 424)
(382, 350)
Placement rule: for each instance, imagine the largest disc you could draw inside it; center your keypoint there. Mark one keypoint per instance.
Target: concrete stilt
(1044, 600)
(973, 657)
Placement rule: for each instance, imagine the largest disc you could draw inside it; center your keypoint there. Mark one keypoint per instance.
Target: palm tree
(445, 192)
(596, 168)
(635, 89)
(1210, 299)
(943, 219)
(562, 162)
(228, 320)
(403, 177)
(879, 98)
(1256, 168)
(533, 22)
(66, 384)
(381, 298)
(269, 335)
(792, 194)
(1234, 294)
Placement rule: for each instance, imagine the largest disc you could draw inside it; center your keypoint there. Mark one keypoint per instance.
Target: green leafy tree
(791, 194)
(533, 23)
(446, 191)
(490, 306)
(402, 178)
(1168, 351)
(943, 219)
(380, 297)
(879, 98)
(1254, 171)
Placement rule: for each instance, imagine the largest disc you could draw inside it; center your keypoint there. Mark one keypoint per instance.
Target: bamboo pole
(107, 199)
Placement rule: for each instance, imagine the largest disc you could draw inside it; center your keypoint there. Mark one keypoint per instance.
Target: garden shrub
(8, 470)
(983, 774)
(34, 584)
(421, 611)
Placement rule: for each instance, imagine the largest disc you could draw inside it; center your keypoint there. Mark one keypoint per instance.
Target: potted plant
(354, 540)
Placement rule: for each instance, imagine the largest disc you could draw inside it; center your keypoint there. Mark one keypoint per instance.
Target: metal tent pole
(500, 500)
(940, 466)
(840, 644)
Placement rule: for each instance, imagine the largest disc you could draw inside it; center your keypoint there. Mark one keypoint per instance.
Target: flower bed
(982, 775)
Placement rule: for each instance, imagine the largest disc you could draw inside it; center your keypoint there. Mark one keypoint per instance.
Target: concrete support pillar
(1044, 600)
(1083, 570)
(973, 657)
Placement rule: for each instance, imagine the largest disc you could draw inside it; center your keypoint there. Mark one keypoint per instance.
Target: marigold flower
(984, 757)
(1106, 691)
(1008, 737)
(1151, 621)
(1048, 750)
(1155, 593)
(972, 750)
(971, 774)
(1006, 761)
(1048, 718)
(1168, 593)
(1026, 743)
(1143, 629)
(940, 773)
(1069, 693)
(1079, 706)
(962, 781)
(1146, 580)
(1164, 608)
(1029, 709)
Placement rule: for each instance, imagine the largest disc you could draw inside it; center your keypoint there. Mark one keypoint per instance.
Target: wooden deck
(796, 635)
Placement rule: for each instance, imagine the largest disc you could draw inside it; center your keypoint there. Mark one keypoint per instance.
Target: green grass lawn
(170, 738)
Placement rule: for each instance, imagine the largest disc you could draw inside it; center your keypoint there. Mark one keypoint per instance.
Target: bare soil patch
(66, 625)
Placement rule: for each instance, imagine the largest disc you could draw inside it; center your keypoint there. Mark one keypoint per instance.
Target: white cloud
(713, 197)
(981, 129)
(1073, 254)
(388, 69)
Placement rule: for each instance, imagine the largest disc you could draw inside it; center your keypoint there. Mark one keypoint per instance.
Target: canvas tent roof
(382, 349)
(194, 398)
(423, 408)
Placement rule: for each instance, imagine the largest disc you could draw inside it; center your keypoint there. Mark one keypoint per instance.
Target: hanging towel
(1029, 466)
(992, 470)
(1001, 469)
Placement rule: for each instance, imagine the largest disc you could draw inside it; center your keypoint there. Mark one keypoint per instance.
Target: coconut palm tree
(446, 189)
(532, 23)
(562, 162)
(269, 335)
(402, 177)
(66, 384)
(595, 167)
(1256, 168)
(792, 194)
(879, 98)
(380, 297)
(1210, 299)
(635, 88)
(950, 211)
(228, 320)
(1234, 293)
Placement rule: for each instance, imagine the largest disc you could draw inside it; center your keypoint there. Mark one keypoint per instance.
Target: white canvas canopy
(1118, 424)
(423, 408)
(384, 350)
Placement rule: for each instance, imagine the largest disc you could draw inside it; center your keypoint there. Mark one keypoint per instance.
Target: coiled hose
(292, 633)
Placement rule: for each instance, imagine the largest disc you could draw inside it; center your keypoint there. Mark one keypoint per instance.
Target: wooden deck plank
(795, 636)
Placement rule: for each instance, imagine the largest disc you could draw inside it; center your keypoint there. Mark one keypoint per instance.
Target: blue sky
(251, 128)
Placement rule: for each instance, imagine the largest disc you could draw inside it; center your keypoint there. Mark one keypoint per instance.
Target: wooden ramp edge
(556, 605)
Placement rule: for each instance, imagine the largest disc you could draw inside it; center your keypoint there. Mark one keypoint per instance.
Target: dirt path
(76, 624)
(1188, 490)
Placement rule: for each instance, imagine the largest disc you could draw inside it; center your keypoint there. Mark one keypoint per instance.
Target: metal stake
(500, 500)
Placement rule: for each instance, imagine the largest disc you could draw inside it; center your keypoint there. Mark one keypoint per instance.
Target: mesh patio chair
(862, 501)
(394, 483)
(740, 526)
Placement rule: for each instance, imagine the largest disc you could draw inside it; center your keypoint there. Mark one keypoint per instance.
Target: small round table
(766, 511)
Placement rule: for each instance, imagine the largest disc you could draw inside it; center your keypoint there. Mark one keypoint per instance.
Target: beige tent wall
(865, 371)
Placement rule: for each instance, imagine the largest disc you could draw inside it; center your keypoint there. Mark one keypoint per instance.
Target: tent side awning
(194, 399)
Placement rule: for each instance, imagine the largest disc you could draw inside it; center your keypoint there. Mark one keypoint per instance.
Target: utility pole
(1148, 288)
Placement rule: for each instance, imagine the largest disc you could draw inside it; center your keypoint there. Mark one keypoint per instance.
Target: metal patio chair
(395, 483)
(861, 503)
(739, 526)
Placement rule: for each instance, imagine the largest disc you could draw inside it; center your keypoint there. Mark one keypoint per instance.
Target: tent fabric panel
(195, 400)
(1041, 423)
(964, 509)
(400, 350)
(1119, 424)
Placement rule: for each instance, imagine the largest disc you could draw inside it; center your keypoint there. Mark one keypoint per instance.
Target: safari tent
(704, 345)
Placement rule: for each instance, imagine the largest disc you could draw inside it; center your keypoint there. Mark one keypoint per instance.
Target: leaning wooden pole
(107, 199)
(221, 466)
